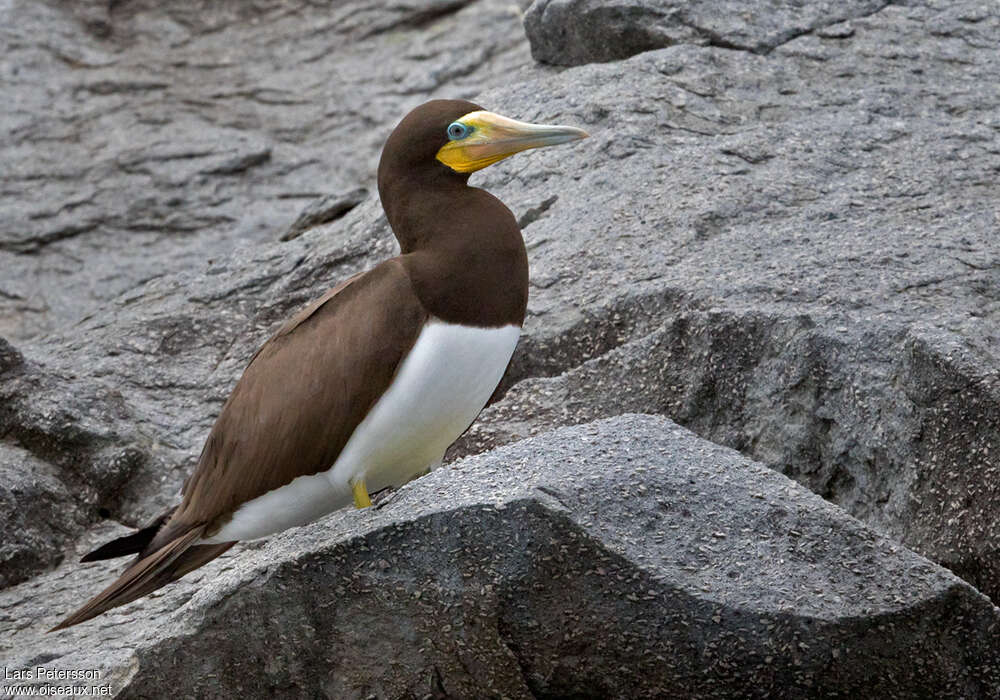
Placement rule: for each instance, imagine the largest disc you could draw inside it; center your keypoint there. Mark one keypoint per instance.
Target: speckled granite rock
(66, 459)
(625, 558)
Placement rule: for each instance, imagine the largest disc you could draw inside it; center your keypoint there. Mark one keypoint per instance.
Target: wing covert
(304, 392)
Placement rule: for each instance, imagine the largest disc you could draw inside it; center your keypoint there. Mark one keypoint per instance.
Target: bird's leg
(382, 497)
(361, 499)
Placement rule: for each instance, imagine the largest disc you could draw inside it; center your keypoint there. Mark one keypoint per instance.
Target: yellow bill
(483, 138)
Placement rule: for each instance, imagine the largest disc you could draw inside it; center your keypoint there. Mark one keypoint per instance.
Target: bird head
(463, 137)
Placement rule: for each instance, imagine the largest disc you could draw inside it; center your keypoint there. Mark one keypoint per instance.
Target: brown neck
(461, 246)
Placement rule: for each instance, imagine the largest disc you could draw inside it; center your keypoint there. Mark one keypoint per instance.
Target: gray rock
(792, 252)
(10, 358)
(787, 256)
(41, 515)
(324, 210)
(574, 32)
(67, 459)
(796, 395)
(166, 136)
(625, 558)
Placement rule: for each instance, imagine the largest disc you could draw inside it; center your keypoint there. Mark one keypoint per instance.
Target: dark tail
(145, 575)
(135, 543)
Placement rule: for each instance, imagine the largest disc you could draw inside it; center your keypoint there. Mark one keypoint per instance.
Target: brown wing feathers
(294, 408)
(304, 393)
(145, 575)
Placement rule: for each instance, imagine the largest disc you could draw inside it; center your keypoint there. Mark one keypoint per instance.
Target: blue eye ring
(458, 131)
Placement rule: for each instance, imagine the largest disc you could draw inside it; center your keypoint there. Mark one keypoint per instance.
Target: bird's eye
(457, 130)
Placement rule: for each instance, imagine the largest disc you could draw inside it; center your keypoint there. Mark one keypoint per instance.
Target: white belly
(437, 392)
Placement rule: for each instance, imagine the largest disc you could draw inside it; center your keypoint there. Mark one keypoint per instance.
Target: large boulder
(794, 254)
(68, 458)
(574, 32)
(621, 559)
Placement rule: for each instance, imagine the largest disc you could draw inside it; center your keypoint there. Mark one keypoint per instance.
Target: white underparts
(439, 389)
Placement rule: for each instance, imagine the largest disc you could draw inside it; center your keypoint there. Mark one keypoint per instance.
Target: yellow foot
(361, 499)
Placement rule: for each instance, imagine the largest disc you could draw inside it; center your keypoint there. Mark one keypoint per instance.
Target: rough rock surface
(625, 558)
(794, 255)
(574, 32)
(790, 250)
(62, 462)
(143, 139)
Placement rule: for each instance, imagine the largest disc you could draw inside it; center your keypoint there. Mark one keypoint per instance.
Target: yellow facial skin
(492, 137)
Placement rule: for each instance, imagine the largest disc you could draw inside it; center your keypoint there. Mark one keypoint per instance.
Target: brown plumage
(309, 386)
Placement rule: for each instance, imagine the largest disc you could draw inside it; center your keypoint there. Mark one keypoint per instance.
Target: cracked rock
(324, 210)
(573, 32)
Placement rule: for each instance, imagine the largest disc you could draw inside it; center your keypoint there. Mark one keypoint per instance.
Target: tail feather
(145, 575)
(135, 543)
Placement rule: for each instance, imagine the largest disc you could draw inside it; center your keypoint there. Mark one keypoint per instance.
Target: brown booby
(367, 386)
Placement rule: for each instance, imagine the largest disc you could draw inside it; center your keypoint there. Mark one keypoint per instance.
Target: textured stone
(789, 256)
(574, 32)
(622, 559)
(149, 138)
(67, 459)
(40, 515)
(792, 251)
(325, 210)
